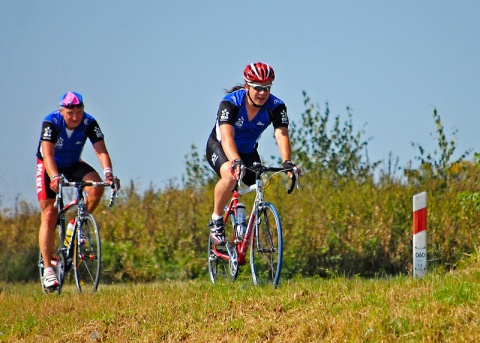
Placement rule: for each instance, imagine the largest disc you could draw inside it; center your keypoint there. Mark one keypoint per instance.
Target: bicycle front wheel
(266, 253)
(87, 257)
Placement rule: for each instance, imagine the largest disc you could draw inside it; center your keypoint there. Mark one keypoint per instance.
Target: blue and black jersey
(68, 143)
(232, 111)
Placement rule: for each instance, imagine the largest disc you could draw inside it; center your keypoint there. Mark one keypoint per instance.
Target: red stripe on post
(420, 220)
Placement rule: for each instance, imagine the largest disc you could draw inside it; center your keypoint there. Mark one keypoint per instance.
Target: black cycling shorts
(74, 173)
(216, 158)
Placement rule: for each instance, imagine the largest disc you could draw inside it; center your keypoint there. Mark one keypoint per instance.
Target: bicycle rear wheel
(87, 257)
(58, 262)
(266, 253)
(221, 268)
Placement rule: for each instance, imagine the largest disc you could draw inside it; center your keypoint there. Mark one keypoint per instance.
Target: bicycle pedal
(52, 288)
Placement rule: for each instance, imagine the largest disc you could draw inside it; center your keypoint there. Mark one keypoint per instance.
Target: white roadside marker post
(420, 235)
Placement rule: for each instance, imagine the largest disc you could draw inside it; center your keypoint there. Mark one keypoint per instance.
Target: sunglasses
(70, 106)
(260, 88)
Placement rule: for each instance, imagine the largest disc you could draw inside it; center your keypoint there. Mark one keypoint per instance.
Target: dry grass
(438, 308)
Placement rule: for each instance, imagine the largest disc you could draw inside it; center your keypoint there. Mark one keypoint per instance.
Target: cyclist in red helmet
(244, 113)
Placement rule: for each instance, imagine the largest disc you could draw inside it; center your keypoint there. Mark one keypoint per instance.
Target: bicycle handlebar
(82, 184)
(259, 169)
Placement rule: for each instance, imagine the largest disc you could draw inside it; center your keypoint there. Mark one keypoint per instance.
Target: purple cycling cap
(71, 98)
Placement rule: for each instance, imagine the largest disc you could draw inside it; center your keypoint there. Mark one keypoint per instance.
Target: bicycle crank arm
(231, 254)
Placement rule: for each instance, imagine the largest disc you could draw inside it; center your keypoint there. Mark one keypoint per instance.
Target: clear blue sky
(153, 73)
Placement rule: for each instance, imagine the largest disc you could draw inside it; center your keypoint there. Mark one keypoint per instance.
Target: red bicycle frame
(240, 245)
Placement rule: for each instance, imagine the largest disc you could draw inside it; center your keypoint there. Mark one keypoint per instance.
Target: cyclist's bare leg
(46, 238)
(223, 189)
(94, 194)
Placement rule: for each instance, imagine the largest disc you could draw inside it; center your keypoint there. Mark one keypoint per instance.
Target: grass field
(437, 308)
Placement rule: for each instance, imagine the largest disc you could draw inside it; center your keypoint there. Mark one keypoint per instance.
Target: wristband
(56, 176)
(107, 171)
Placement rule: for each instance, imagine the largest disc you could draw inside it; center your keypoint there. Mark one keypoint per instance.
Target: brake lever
(57, 201)
(58, 198)
(114, 194)
(112, 199)
(238, 183)
(297, 174)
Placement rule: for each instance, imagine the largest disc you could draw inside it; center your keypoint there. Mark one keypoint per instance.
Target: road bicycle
(263, 233)
(82, 251)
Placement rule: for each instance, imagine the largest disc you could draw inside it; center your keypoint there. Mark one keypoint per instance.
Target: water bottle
(241, 217)
(68, 233)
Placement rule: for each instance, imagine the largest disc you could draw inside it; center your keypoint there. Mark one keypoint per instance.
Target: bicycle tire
(87, 257)
(266, 247)
(219, 268)
(59, 257)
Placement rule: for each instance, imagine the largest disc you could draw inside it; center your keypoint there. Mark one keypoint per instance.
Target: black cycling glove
(235, 163)
(287, 164)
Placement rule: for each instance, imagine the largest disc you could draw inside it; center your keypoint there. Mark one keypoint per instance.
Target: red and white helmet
(258, 72)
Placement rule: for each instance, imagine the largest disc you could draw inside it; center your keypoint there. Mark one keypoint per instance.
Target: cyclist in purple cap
(64, 134)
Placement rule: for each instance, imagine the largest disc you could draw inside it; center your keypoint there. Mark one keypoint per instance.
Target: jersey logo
(79, 142)
(284, 117)
(47, 133)
(239, 122)
(98, 132)
(260, 123)
(225, 114)
(59, 143)
(234, 100)
(214, 158)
